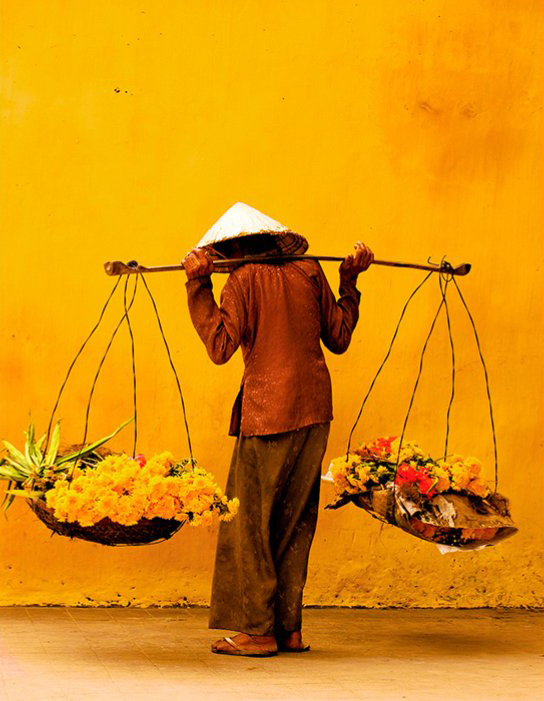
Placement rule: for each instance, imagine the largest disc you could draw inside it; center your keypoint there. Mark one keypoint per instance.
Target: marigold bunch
(463, 475)
(126, 490)
(418, 475)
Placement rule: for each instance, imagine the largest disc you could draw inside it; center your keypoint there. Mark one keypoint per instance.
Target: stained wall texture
(129, 127)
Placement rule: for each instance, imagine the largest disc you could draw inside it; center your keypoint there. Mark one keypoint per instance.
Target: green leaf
(31, 433)
(8, 500)
(29, 441)
(51, 455)
(40, 442)
(10, 484)
(65, 467)
(37, 457)
(28, 448)
(10, 473)
(14, 453)
(32, 450)
(29, 494)
(22, 470)
(92, 446)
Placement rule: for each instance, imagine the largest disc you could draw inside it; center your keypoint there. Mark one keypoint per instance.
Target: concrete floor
(78, 654)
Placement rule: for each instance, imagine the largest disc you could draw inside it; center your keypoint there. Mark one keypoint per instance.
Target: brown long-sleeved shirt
(277, 313)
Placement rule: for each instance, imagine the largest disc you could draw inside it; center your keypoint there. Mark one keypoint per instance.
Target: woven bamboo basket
(107, 532)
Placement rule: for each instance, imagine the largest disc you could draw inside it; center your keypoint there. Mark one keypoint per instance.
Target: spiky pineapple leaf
(21, 470)
(52, 451)
(29, 442)
(10, 484)
(28, 493)
(31, 433)
(32, 449)
(14, 453)
(40, 442)
(10, 473)
(92, 446)
(7, 501)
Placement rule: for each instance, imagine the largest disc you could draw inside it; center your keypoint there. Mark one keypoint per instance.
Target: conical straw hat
(243, 220)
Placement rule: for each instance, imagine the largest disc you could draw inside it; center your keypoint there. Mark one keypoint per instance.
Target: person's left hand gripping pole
(198, 263)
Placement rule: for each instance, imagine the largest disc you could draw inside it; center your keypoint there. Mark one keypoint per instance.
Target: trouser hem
(230, 625)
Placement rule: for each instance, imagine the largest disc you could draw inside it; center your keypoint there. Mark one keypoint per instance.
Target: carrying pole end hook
(463, 269)
(117, 267)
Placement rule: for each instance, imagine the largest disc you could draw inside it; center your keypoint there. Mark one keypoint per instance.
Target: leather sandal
(236, 649)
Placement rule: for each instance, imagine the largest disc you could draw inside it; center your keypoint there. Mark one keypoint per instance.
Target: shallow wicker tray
(107, 532)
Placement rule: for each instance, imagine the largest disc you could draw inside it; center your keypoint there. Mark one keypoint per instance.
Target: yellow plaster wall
(129, 127)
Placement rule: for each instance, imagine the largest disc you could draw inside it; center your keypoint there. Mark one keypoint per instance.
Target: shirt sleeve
(338, 318)
(220, 327)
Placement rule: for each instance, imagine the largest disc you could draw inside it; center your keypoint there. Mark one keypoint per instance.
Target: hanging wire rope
(445, 278)
(71, 366)
(443, 286)
(421, 359)
(161, 540)
(133, 356)
(493, 430)
(171, 365)
(100, 365)
(385, 359)
(127, 305)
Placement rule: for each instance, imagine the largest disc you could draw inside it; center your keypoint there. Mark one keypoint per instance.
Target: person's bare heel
(292, 642)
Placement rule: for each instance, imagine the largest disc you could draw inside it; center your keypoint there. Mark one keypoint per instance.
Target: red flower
(382, 446)
(425, 485)
(406, 473)
(140, 459)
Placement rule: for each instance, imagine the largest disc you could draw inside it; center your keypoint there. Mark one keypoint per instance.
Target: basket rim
(106, 531)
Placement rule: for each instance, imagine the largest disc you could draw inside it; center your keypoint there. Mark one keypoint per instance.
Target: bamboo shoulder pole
(117, 267)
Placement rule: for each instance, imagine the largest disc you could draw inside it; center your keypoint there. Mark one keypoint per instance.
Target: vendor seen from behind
(278, 313)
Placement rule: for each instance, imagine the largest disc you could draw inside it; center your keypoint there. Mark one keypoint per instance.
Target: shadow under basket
(107, 532)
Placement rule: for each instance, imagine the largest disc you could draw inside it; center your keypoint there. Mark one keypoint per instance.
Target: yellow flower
(86, 516)
(207, 518)
(442, 476)
(409, 451)
(165, 507)
(459, 480)
(106, 503)
(477, 486)
(119, 488)
(234, 505)
(474, 466)
(195, 520)
(157, 487)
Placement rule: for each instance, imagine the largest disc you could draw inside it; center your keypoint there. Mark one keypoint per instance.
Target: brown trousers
(262, 555)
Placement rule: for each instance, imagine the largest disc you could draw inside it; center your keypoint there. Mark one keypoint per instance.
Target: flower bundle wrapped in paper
(442, 501)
